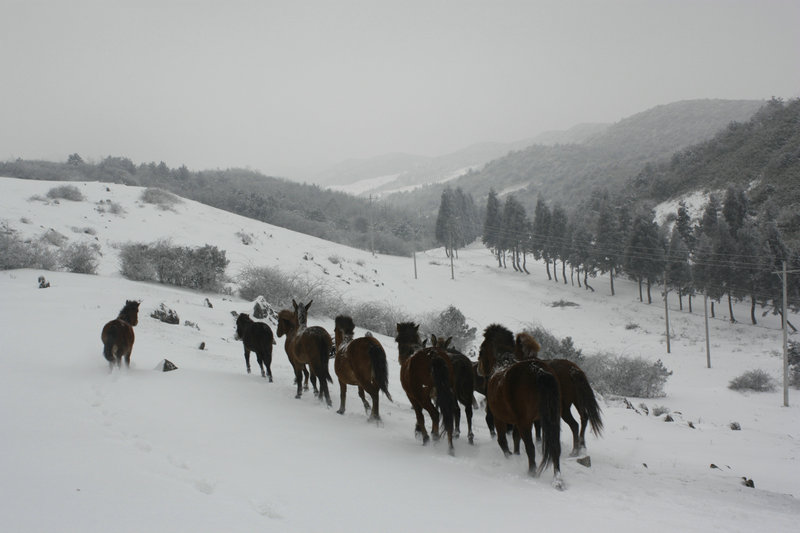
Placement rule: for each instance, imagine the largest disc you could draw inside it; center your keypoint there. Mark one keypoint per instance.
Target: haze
(289, 88)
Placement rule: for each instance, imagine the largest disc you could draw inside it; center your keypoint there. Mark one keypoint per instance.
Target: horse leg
(537, 425)
(468, 411)
(305, 384)
(342, 396)
(313, 381)
(457, 420)
(298, 376)
(128, 360)
(490, 421)
(363, 399)
(434, 414)
(530, 449)
(260, 361)
(247, 359)
(502, 439)
(516, 436)
(581, 437)
(375, 414)
(419, 429)
(566, 415)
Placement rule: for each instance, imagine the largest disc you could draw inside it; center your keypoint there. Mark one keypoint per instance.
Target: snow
(208, 447)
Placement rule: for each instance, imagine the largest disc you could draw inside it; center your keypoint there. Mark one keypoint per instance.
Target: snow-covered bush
(274, 284)
(196, 268)
(625, 376)
(16, 253)
(450, 323)
(163, 199)
(553, 347)
(754, 380)
(65, 192)
(166, 315)
(80, 258)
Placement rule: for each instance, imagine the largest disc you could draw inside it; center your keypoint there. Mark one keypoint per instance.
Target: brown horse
(306, 346)
(408, 341)
(463, 381)
(118, 337)
(424, 375)
(519, 393)
(257, 337)
(360, 362)
(575, 390)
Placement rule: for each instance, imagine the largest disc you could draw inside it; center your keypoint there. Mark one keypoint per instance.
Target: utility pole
(708, 344)
(452, 270)
(784, 315)
(371, 228)
(666, 309)
(414, 254)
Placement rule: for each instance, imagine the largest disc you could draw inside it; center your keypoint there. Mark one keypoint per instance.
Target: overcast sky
(289, 86)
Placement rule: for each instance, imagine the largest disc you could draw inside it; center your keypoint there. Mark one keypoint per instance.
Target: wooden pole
(666, 309)
(785, 344)
(708, 344)
(414, 253)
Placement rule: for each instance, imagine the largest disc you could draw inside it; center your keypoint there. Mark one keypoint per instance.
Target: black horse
(118, 337)
(256, 337)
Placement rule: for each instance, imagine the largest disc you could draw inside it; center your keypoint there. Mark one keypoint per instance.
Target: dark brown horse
(463, 381)
(575, 391)
(256, 337)
(360, 362)
(408, 341)
(118, 337)
(519, 393)
(424, 375)
(306, 346)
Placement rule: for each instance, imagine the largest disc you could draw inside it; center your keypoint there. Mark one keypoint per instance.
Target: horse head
(301, 311)
(130, 312)
(438, 342)
(526, 347)
(343, 329)
(242, 322)
(287, 322)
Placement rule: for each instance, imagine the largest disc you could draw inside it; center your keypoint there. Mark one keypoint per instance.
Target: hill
(208, 447)
(568, 173)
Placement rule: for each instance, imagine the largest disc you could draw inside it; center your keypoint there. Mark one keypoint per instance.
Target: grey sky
(285, 87)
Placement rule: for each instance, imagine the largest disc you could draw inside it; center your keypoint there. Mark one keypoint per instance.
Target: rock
(202, 346)
(208, 303)
(262, 310)
(669, 418)
(43, 283)
(166, 365)
(585, 461)
(748, 482)
(735, 426)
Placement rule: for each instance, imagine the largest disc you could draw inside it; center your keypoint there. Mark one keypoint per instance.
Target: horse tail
(585, 400)
(323, 348)
(108, 351)
(550, 416)
(445, 399)
(380, 370)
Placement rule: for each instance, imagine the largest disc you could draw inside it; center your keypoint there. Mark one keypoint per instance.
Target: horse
(118, 337)
(519, 393)
(306, 346)
(256, 337)
(360, 362)
(464, 384)
(575, 390)
(423, 375)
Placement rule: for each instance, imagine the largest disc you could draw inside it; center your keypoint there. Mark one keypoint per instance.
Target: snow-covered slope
(210, 448)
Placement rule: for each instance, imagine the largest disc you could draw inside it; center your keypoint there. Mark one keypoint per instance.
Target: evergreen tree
(492, 225)
(734, 208)
(447, 231)
(644, 253)
(541, 230)
(606, 254)
(556, 236)
(679, 272)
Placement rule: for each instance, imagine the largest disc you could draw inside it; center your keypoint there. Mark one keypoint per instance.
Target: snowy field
(211, 448)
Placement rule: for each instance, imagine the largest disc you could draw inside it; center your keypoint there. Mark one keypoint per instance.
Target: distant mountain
(578, 134)
(609, 158)
(354, 170)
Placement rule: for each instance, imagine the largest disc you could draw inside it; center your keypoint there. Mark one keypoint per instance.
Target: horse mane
(130, 312)
(500, 336)
(526, 346)
(345, 324)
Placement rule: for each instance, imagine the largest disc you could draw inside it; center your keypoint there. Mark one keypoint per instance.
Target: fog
(290, 88)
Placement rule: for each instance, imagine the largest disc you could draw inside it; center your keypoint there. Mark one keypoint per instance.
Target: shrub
(195, 268)
(16, 253)
(754, 380)
(55, 238)
(163, 199)
(794, 364)
(553, 347)
(275, 285)
(450, 323)
(65, 192)
(626, 376)
(80, 258)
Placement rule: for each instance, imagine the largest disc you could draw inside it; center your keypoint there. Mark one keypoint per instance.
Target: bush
(275, 285)
(450, 323)
(553, 347)
(163, 199)
(16, 253)
(754, 380)
(794, 364)
(195, 268)
(80, 258)
(66, 192)
(55, 238)
(626, 376)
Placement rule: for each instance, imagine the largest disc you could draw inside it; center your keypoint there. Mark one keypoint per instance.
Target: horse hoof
(270, 379)
(297, 396)
(471, 439)
(340, 411)
(451, 452)
(558, 483)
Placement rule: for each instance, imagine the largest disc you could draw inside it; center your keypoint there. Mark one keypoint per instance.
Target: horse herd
(523, 393)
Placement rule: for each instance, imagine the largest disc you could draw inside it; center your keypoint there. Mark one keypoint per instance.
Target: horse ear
(294, 304)
(434, 340)
(309, 304)
(447, 342)
(424, 343)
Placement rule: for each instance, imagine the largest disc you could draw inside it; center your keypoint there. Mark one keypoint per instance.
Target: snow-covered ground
(211, 448)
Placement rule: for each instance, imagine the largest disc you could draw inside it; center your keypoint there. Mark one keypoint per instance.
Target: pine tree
(492, 225)
(556, 236)
(644, 253)
(607, 248)
(679, 272)
(541, 229)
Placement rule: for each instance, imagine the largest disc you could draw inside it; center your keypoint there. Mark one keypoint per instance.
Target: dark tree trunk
(690, 302)
(525, 262)
(514, 259)
(680, 299)
(753, 309)
(579, 277)
(730, 308)
(564, 271)
(649, 298)
(712, 310)
(499, 260)
(555, 270)
(504, 259)
(572, 275)
(641, 297)
(586, 280)
(547, 266)
(611, 277)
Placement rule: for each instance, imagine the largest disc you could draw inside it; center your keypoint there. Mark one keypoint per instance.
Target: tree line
(731, 251)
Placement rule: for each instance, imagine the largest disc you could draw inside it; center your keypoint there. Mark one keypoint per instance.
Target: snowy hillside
(211, 448)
